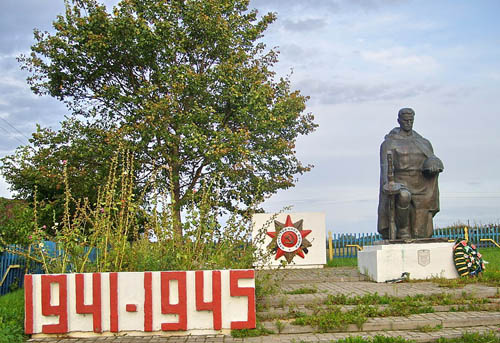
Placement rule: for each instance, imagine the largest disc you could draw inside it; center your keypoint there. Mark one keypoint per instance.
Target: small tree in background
(16, 222)
(184, 84)
(39, 167)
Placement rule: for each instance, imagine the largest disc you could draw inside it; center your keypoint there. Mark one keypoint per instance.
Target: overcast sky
(360, 61)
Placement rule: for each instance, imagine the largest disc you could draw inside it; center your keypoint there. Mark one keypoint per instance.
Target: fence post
(330, 248)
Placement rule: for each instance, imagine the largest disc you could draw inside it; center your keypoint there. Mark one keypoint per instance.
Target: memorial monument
(408, 201)
(409, 194)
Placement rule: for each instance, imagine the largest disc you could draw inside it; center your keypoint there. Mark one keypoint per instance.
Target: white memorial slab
(142, 303)
(421, 260)
(296, 240)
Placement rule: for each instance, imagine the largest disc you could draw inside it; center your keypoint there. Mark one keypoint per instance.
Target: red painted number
(113, 301)
(215, 304)
(28, 304)
(166, 307)
(61, 309)
(249, 292)
(95, 307)
(148, 302)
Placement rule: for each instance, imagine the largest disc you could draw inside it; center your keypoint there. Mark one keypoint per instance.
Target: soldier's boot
(403, 222)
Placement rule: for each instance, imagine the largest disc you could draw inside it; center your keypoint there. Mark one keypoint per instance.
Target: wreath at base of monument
(467, 259)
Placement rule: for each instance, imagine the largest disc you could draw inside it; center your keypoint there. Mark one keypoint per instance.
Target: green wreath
(467, 259)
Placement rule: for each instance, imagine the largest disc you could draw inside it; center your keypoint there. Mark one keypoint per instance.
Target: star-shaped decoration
(289, 239)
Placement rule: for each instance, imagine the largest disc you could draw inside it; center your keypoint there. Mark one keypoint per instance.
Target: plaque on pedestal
(421, 260)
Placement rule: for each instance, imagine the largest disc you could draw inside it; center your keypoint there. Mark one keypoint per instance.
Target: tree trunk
(177, 206)
(177, 218)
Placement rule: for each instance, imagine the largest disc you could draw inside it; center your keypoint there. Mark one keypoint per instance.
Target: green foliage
(16, 221)
(12, 317)
(265, 284)
(279, 325)
(376, 339)
(490, 337)
(111, 232)
(79, 149)
(334, 318)
(184, 84)
(466, 338)
(491, 276)
(303, 290)
(492, 273)
(343, 262)
(259, 331)
(428, 328)
(415, 301)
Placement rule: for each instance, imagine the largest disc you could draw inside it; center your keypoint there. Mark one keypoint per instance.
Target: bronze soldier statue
(409, 194)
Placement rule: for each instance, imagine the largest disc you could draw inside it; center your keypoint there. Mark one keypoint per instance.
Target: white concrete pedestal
(421, 260)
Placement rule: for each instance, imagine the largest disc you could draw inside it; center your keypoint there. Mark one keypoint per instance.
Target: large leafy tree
(84, 150)
(186, 84)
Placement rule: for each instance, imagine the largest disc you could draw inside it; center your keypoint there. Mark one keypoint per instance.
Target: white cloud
(11, 81)
(304, 25)
(401, 57)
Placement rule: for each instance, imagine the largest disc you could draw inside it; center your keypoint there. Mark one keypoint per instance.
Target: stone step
(299, 276)
(363, 288)
(417, 336)
(412, 322)
(289, 312)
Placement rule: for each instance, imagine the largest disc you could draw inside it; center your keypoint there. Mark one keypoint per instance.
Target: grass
(279, 325)
(332, 317)
(342, 262)
(303, 290)
(490, 337)
(376, 339)
(428, 328)
(418, 299)
(466, 338)
(12, 317)
(491, 276)
(259, 331)
(374, 305)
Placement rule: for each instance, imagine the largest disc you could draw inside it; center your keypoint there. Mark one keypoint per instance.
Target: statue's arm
(383, 162)
(429, 146)
(437, 166)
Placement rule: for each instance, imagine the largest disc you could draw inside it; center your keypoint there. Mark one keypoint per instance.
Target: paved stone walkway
(416, 322)
(342, 281)
(417, 336)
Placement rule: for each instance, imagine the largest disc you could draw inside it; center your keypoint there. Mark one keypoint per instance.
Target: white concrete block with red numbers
(142, 302)
(299, 239)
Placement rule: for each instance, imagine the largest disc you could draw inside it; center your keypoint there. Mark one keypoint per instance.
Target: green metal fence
(345, 244)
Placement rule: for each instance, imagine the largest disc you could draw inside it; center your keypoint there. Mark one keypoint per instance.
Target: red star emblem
(289, 239)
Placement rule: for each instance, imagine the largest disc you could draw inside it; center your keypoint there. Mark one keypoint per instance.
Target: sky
(360, 61)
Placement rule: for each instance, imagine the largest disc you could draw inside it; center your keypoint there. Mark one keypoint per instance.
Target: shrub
(118, 233)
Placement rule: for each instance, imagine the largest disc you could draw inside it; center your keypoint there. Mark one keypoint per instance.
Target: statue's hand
(432, 166)
(392, 188)
(434, 170)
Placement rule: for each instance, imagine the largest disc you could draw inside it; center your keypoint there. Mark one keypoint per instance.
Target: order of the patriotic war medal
(289, 239)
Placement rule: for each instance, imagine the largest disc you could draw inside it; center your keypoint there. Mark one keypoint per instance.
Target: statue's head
(405, 119)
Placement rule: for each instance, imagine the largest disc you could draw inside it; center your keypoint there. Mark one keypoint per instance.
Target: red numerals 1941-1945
(145, 301)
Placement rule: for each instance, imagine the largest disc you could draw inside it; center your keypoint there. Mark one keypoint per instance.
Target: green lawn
(492, 256)
(12, 317)
(343, 262)
(466, 338)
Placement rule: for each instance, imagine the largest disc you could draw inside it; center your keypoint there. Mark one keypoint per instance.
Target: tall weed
(122, 233)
